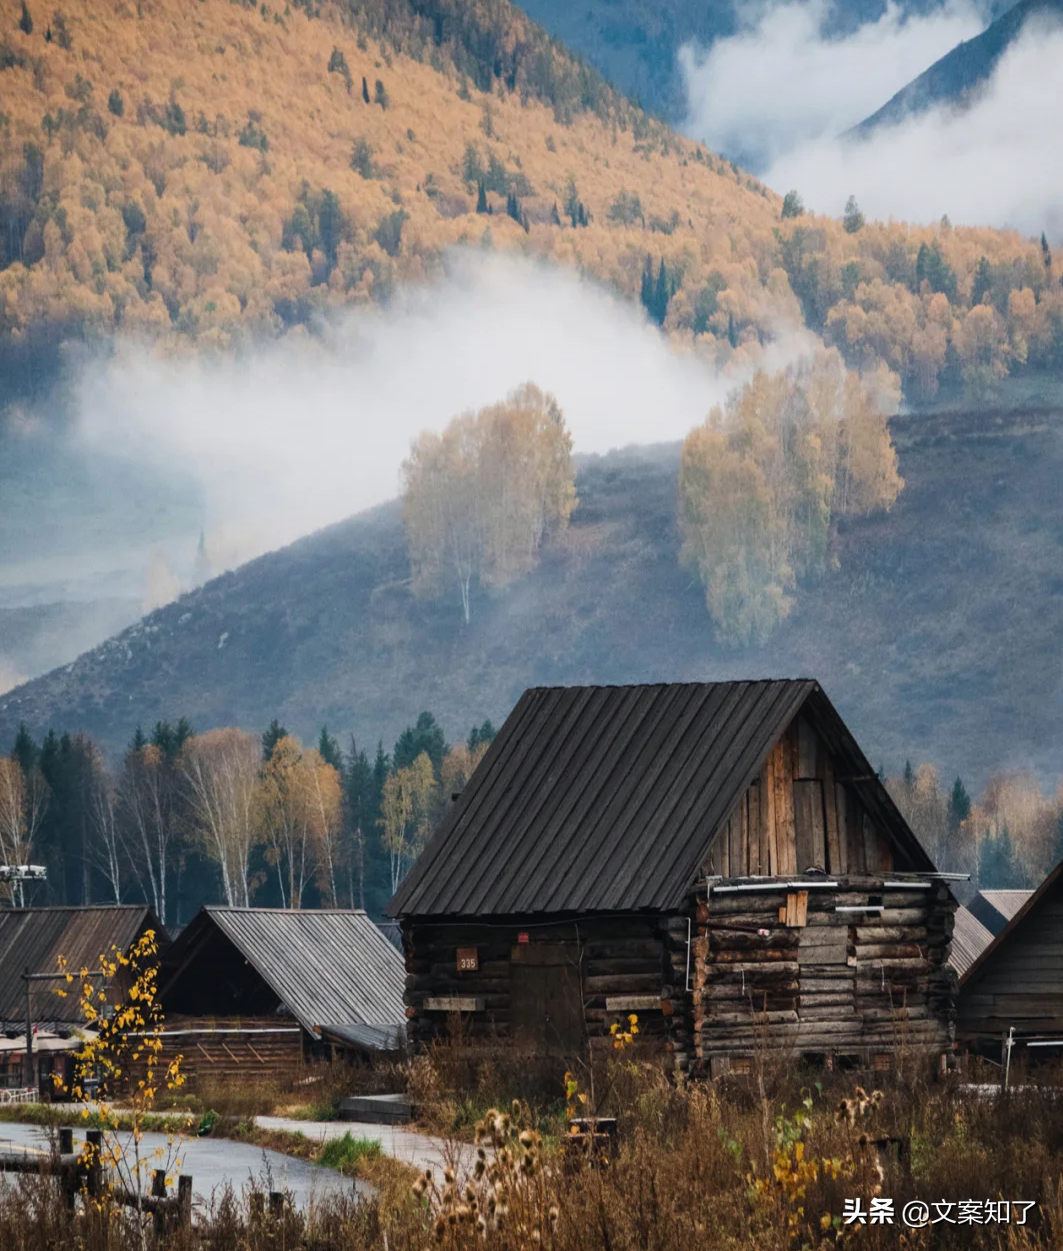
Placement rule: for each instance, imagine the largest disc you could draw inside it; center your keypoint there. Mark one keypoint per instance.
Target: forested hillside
(221, 172)
(936, 636)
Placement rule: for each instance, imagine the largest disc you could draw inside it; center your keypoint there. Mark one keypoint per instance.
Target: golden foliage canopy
(761, 481)
(479, 498)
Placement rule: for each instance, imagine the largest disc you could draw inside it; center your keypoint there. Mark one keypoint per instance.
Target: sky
(782, 94)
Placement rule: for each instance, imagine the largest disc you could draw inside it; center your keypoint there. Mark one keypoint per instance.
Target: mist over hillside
(937, 638)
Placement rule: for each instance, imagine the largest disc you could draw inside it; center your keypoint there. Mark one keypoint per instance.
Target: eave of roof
(1016, 921)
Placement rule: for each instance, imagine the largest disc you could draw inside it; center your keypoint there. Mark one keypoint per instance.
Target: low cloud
(994, 163)
(780, 83)
(306, 432)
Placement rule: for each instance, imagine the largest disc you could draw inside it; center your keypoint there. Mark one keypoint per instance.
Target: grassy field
(774, 1160)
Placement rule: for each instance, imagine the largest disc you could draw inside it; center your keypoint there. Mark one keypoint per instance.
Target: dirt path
(419, 1150)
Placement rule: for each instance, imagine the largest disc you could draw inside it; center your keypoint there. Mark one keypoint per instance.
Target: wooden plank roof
(606, 798)
(35, 938)
(327, 966)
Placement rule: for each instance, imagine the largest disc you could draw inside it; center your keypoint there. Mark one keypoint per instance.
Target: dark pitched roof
(329, 966)
(606, 798)
(37, 937)
(1018, 917)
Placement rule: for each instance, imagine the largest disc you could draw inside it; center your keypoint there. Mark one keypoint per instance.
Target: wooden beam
(767, 815)
(633, 1003)
(836, 858)
(454, 1003)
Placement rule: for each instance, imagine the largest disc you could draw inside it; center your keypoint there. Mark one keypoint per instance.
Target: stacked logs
(783, 969)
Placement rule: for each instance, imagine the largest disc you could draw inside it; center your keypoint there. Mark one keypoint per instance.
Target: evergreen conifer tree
(481, 197)
(1046, 253)
(25, 21)
(661, 295)
(25, 750)
(329, 750)
(959, 806)
(365, 90)
(271, 737)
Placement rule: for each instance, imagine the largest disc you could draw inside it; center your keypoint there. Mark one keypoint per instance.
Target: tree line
(227, 815)
(1008, 839)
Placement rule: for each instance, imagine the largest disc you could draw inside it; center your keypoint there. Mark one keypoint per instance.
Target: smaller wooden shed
(995, 908)
(33, 940)
(260, 990)
(1015, 987)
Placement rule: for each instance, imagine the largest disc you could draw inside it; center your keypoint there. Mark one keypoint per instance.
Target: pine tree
(365, 90)
(853, 221)
(646, 294)
(271, 737)
(909, 775)
(983, 279)
(481, 198)
(1046, 253)
(959, 806)
(792, 205)
(479, 734)
(138, 741)
(555, 216)
(25, 21)
(329, 750)
(25, 750)
(661, 295)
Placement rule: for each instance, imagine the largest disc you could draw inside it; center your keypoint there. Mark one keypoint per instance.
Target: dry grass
(695, 1167)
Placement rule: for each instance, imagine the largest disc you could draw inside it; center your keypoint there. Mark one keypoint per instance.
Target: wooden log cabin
(718, 858)
(1015, 986)
(259, 991)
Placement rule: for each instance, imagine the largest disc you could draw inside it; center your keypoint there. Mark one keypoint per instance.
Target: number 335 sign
(468, 960)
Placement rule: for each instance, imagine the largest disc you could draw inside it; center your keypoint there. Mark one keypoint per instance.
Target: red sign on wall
(522, 937)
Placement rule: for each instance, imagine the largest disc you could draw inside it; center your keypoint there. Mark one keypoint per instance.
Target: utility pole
(29, 1029)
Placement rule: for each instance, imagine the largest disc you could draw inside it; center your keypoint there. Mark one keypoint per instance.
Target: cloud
(779, 83)
(781, 92)
(995, 164)
(303, 433)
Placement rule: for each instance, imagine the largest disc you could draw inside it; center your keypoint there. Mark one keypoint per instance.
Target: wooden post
(29, 1029)
(94, 1140)
(276, 1204)
(257, 1205)
(184, 1201)
(68, 1176)
(158, 1191)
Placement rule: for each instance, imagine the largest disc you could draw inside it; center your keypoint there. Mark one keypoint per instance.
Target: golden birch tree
(220, 771)
(479, 498)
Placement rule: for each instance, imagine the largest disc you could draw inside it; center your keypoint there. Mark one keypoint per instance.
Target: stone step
(376, 1109)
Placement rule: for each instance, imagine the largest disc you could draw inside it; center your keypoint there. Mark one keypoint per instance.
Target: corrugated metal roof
(606, 798)
(35, 938)
(1028, 907)
(329, 967)
(969, 939)
(1006, 902)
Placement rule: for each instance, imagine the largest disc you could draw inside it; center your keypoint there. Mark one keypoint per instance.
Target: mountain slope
(960, 73)
(220, 173)
(938, 638)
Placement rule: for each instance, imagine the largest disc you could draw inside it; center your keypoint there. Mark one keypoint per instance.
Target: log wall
(596, 971)
(235, 1047)
(785, 968)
